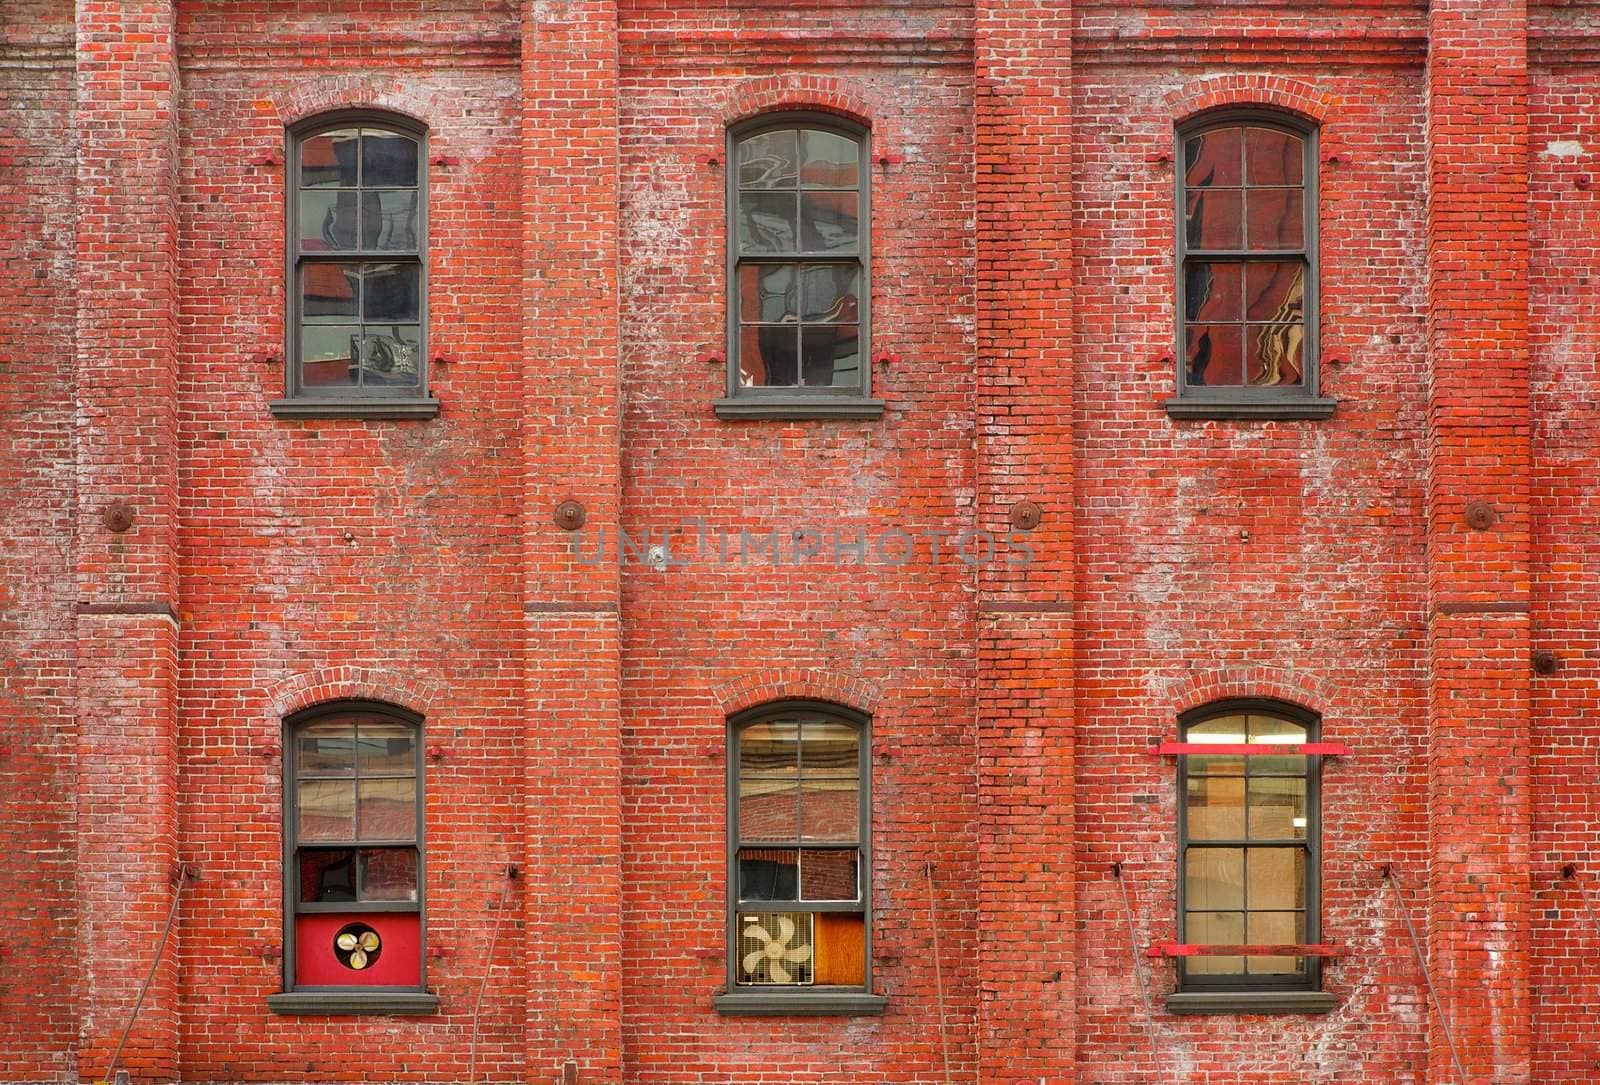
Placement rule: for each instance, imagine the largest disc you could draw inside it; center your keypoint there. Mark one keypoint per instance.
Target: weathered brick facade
(575, 707)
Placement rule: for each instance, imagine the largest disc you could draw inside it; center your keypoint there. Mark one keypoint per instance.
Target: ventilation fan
(775, 948)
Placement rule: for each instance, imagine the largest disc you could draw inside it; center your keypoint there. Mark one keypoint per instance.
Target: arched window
(357, 289)
(799, 861)
(1248, 851)
(799, 240)
(353, 860)
(1247, 267)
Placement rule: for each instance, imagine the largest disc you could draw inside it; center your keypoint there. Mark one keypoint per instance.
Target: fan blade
(780, 974)
(753, 959)
(786, 929)
(798, 955)
(347, 942)
(358, 959)
(757, 930)
(369, 941)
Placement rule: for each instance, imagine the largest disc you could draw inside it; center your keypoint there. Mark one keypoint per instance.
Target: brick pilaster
(126, 580)
(1023, 55)
(572, 449)
(1478, 452)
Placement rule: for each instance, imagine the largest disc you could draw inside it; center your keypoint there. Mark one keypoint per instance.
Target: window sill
(751, 408)
(1245, 1002)
(1236, 407)
(812, 1003)
(331, 1003)
(354, 408)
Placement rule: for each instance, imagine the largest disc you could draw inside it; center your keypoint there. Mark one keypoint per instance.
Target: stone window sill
(352, 407)
(1244, 1002)
(352, 1002)
(752, 408)
(1236, 407)
(813, 1002)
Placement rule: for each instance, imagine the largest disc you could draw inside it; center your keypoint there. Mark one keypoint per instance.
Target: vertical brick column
(572, 452)
(1478, 460)
(127, 579)
(1025, 621)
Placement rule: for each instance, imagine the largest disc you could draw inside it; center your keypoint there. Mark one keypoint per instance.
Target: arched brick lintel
(1252, 89)
(796, 684)
(1244, 682)
(349, 92)
(781, 93)
(309, 688)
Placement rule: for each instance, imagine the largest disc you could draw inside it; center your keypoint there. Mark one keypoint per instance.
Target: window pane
(1213, 291)
(1215, 929)
(828, 160)
(829, 875)
(768, 160)
(1277, 732)
(768, 293)
(389, 220)
(1275, 354)
(387, 749)
(767, 223)
(1273, 157)
(1276, 929)
(1274, 290)
(389, 809)
(391, 356)
(328, 293)
(1214, 878)
(1215, 356)
(1216, 808)
(829, 221)
(387, 158)
(1277, 218)
(1222, 731)
(770, 750)
(1277, 808)
(832, 293)
(769, 874)
(1213, 159)
(327, 875)
(326, 749)
(1277, 877)
(392, 293)
(831, 355)
(329, 160)
(328, 220)
(327, 809)
(1215, 219)
(775, 948)
(388, 874)
(829, 809)
(768, 809)
(830, 750)
(769, 355)
(328, 354)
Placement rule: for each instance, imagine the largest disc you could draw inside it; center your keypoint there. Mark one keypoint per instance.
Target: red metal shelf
(1176, 949)
(1303, 749)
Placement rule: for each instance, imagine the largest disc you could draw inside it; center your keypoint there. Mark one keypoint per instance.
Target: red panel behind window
(399, 964)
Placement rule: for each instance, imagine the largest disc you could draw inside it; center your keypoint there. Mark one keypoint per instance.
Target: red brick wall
(1022, 187)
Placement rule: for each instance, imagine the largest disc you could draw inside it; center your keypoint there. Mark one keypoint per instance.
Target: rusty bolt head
(118, 517)
(1480, 516)
(1025, 515)
(1545, 661)
(570, 516)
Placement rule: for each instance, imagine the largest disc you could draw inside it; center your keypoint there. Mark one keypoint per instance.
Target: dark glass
(328, 220)
(1215, 219)
(769, 874)
(829, 875)
(388, 873)
(392, 293)
(1213, 159)
(1273, 157)
(832, 293)
(1274, 290)
(767, 223)
(327, 875)
(389, 220)
(829, 160)
(768, 293)
(329, 293)
(831, 355)
(769, 160)
(830, 221)
(328, 355)
(329, 160)
(388, 158)
(391, 355)
(1276, 218)
(1215, 355)
(1213, 291)
(769, 355)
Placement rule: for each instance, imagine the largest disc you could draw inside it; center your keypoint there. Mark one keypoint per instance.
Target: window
(1247, 269)
(1248, 849)
(353, 860)
(799, 863)
(357, 290)
(798, 271)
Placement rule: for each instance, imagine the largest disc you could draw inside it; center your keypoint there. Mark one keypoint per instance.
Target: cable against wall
(1427, 976)
(1138, 970)
(488, 968)
(186, 874)
(938, 974)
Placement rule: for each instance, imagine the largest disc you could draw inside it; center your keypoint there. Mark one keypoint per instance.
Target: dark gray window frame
(796, 403)
(1250, 993)
(309, 999)
(349, 403)
(734, 999)
(1243, 402)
